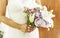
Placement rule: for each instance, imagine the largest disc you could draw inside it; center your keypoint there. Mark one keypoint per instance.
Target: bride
(13, 20)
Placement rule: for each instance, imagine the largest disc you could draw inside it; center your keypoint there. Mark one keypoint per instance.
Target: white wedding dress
(15, 12)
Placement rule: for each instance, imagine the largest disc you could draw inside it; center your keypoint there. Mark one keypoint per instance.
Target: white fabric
(14, 11)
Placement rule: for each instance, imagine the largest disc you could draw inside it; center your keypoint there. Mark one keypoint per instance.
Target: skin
(10, 22)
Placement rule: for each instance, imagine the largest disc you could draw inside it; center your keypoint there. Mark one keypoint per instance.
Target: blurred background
(55, 32)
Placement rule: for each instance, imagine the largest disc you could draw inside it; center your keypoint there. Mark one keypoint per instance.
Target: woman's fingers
(33, 28)
(27, 28)
(30, 28)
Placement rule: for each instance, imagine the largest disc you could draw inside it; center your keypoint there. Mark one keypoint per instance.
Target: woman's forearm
(9, 22)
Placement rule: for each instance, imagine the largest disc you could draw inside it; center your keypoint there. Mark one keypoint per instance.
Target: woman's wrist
(18, 26)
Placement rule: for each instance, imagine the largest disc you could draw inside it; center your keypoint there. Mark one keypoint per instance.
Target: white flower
(31, 17)
(47, 16)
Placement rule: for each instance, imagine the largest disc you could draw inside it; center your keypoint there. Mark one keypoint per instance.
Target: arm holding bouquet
(10, 22)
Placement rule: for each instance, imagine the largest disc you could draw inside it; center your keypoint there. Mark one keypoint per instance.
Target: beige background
(55, 32)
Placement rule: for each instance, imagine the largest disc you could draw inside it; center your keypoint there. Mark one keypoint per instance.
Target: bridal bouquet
(39, 17)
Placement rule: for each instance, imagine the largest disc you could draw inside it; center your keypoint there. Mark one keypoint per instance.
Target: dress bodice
(15, 9)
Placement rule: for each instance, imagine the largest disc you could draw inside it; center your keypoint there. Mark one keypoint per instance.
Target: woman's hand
(27, 28)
